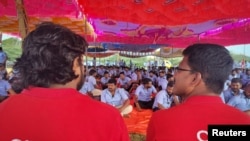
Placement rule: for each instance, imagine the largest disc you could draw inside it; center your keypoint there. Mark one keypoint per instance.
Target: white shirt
(104, 80)
(144, 94)
(117, 100)
(91, 82)
(125, 81)
(134, 76)
(163, 98)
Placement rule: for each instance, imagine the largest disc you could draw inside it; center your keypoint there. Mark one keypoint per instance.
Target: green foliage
(12, 47)
(239, 57)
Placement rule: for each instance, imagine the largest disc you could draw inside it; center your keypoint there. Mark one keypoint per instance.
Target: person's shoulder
(120, 89)
(236, 114)
(140, 86)
(105, 91)
(227, 91)
(161, 92)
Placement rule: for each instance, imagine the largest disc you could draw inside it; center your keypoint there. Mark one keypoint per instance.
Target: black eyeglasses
(181, 69)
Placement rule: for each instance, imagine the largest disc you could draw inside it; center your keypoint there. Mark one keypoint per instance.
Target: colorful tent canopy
(170, 22)
(223, 31)
(65, 12)
(165, 12)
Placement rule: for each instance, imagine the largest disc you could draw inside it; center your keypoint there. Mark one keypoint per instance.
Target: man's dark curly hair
(48, 55)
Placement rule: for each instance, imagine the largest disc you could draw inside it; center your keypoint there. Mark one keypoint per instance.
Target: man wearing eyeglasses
(199, 80)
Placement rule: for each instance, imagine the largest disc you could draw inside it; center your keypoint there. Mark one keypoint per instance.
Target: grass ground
(137, 137)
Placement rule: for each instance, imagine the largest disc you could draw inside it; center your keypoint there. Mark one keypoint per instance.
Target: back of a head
(48, 55)
(212, 61)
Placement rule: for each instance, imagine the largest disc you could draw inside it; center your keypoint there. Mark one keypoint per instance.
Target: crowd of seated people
(149, 89)
(237, 89)
(6, 79)
(125, 88)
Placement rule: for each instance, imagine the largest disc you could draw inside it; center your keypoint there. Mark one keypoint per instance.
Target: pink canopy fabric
(170, 22)
(224, 31)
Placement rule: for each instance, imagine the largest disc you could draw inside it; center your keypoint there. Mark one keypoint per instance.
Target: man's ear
(76, 66)
(197, 78)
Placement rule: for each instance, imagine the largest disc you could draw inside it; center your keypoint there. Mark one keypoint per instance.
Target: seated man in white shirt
(161, 80)
(124, 81)
(242, 102)
(165, 98)
(105, 79)
(234, 90)
(5, 89)
(153, 77)
(116, 97)
(143, 95)
(92, 84)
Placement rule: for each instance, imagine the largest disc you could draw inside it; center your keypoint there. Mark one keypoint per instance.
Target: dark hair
(170, 84)
(48, 55)
(146, 80)
(106, 72)
(236, 80)
(92, 71)
(169, 76)
(212, 61)
(112, 81)
(122, 73)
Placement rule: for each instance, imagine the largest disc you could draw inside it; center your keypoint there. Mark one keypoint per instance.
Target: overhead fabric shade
(165, 12)
(64, 12)
(169, 22)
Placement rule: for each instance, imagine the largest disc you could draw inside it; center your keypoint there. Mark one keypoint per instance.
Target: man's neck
(112, 92)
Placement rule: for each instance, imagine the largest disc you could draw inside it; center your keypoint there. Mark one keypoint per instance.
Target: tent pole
(1, 36)
(86, 49)
(22, 18)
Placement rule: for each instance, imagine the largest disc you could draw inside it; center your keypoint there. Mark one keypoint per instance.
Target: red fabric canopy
(165, 12)
(169, 22)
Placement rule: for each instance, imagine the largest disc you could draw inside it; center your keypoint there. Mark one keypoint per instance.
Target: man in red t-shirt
(199, 80)
(50, 108)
